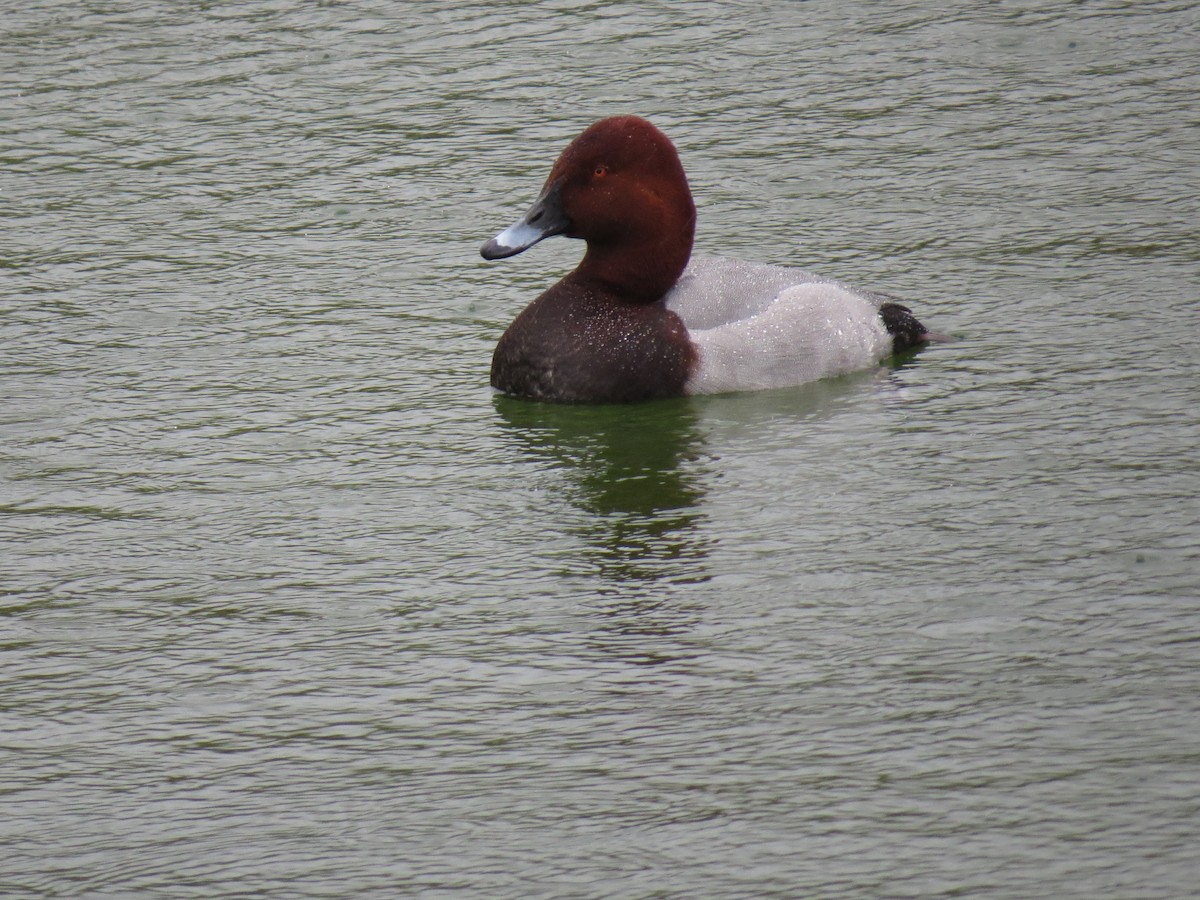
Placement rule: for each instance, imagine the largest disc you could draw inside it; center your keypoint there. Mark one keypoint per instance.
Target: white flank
(762, 326)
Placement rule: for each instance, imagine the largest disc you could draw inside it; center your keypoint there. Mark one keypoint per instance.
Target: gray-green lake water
(292, 605)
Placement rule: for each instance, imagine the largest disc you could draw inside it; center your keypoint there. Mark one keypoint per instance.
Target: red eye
(600, 171)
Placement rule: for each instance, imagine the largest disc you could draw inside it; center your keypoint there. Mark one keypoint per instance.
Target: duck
(640, 319)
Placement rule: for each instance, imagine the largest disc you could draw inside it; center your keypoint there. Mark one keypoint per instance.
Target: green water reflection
(637, 471)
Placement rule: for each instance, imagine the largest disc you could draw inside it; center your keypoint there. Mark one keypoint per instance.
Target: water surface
(291, 604)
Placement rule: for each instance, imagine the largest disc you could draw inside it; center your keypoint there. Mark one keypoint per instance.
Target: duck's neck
(639, 268)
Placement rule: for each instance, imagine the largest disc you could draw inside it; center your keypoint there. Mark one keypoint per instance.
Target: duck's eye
(600, 171)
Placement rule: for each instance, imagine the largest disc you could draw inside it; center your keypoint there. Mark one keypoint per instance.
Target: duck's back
(715, 291)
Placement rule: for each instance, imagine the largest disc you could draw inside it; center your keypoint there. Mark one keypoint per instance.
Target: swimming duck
(637, 321)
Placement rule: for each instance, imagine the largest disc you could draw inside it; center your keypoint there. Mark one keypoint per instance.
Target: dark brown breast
(578, 344)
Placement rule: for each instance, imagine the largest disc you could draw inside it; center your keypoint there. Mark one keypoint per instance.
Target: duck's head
(620, 187)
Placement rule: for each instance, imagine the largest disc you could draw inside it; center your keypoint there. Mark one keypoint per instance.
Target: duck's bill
(544, 219)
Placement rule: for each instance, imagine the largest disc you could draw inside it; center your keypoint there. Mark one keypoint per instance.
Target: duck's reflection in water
(636, 470)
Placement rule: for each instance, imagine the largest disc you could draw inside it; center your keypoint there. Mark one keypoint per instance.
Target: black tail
(903, 326)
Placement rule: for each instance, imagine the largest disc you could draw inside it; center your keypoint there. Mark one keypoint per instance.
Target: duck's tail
(905, 330)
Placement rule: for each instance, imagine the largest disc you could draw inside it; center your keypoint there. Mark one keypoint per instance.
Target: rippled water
(291, 605)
